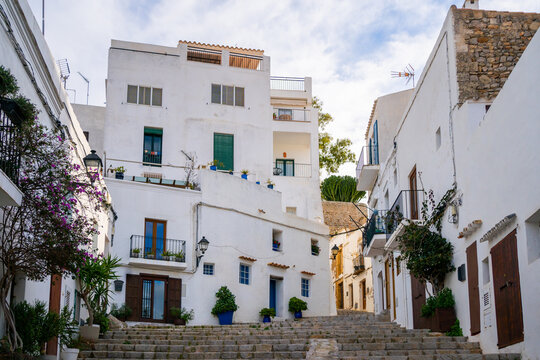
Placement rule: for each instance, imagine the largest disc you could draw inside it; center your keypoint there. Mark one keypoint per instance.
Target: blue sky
(347, 47)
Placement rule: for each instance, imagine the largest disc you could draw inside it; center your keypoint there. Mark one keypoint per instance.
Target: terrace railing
(287, 83)
(281, 114)
(10, 157)
(376, 225)
(147, 247)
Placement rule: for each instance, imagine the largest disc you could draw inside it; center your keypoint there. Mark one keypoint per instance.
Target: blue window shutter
(224, 151)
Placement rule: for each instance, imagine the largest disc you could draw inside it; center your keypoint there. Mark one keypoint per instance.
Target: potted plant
(121, 313)
(440, 310)
(119, 172)
(225, 306)
(244, 174)
(270, 184)
(258, 182)
(296, 306)
(150, 254)
(181, 316)
(214, 164)
(231, 172)
(168, 255)
(66, 331)
(275, 245)
(315, 249)
(274, 116)
(267, 313)
(179, 256)
(135, 253)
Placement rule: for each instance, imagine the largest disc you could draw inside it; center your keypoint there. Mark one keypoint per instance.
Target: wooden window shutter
(133, 298)
(224, 151)
(174, 296)
(474, 296)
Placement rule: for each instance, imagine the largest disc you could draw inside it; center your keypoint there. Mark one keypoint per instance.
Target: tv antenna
(64, 70)
(407, 73)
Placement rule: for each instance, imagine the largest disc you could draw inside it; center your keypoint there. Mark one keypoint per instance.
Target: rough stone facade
(488, 46)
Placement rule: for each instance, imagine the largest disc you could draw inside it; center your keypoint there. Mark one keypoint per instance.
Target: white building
(25, 53)
(352, 276)
(472, 121)
(166, 105)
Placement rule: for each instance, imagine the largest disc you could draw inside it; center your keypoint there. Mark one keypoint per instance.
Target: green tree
(341, 188)
(332, 153)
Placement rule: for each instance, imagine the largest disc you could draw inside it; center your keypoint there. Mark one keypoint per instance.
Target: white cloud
(347, 47)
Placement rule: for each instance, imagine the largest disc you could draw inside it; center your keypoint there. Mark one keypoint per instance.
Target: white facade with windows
(488, 149)
(168, 106)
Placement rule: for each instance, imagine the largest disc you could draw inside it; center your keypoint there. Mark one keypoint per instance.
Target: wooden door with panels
(474, 294)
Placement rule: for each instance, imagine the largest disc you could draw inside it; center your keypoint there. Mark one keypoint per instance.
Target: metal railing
(368, 156)
(287, 83)
(290, 169)
(406, 206)
(245, 61)
(148, 247)
(281, 114)
(10, 157)
(358, 263)
(204, 55)
(151, 158)
(376, 225)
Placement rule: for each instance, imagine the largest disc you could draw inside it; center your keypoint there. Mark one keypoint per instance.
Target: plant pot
(148, 256)
(119, 175)
(179, 322)
(270, 186)
(298, 315)
(213, 167)
(244, 176)
(89, 332)
(231, 173)
(225, 318)
(266, 319)
(69, 354)
(178, 259)
(135, 255)
(442, 320)
(258, 182)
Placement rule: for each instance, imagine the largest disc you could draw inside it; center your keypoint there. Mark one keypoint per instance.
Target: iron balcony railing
(148, 247)
(287, 83)
(281, 114)
(292, 169)
(375, 225)
(152, 158)
(358, 263)
(368, 156)
(10, 157)
(406, 206)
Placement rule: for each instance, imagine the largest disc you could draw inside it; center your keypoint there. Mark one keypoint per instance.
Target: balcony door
(413, 194)
(152, 145)
(286, 166)
(155, 232)
(153, 298)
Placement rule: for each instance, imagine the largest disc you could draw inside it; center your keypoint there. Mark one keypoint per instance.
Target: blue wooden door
(273, 294)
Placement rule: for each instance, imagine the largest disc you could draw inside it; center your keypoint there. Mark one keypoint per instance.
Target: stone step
(434, 357)
(196, 355)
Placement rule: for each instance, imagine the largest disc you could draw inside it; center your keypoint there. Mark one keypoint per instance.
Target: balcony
(157, 253)
(291, 168)
(10, 160)
(287, 83)
(368, 167)
(204, 55)
(406, 208)
(358, 264)
(301, 115)
(375, 233)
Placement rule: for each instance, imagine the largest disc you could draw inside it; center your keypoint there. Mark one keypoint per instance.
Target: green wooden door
(224, 151)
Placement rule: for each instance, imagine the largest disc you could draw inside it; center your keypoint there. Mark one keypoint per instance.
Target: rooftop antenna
(407, 73)
(64, 70)
(43, 17)
(87, 85)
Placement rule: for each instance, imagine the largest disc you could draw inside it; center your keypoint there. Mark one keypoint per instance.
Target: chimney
(471, 4)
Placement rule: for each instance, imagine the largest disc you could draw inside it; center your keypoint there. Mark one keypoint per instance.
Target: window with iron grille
(305, 287)
(208, 269)
(244, 274)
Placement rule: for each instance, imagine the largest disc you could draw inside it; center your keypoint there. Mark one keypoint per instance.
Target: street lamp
(335, 251)
(202, 246)
(93, 164)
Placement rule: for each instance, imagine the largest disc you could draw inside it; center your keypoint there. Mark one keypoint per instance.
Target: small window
(86, 135)
(208, 269)
(290, 210)
(277, 236)
(132, 94)
(239, 96)
(395, 177)
(152, 145)
(305, 287)
(487, 107)
(244, 274)
(438, 139)
(144, 95)
(315, 249)
(156, 96)
(216, 94)
(228, 95)
(485, 271)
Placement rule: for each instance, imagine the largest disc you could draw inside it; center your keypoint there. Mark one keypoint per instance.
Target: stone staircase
(350, 335)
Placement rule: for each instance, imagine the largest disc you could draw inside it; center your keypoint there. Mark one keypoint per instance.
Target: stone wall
(488, 46)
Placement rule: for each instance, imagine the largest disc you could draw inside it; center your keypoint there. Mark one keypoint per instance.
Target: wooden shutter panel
(474, 296)
(224, 150)
(54, 306)
(133, 291)
(174, 296)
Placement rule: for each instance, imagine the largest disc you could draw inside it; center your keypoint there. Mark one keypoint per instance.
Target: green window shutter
(224, 150)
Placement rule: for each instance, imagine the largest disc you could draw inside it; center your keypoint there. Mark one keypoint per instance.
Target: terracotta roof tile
(281, 266)
(247, 51)
(247, 258)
